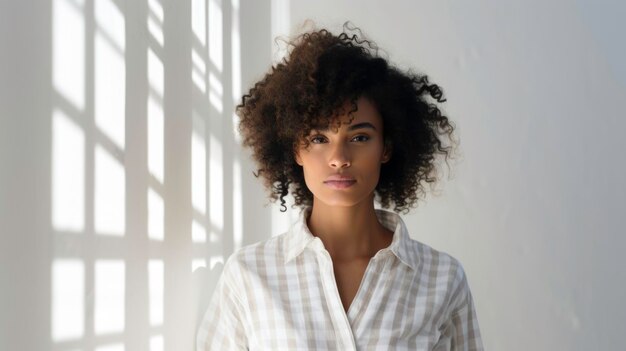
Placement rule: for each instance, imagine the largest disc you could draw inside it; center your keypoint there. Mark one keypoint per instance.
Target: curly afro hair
(307, 90)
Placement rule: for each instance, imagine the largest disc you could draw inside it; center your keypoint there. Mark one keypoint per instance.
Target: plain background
(532, 208)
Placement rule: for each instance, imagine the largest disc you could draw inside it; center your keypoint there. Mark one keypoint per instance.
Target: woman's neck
(348, 233)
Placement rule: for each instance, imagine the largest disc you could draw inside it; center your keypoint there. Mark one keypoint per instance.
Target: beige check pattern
(281, 294)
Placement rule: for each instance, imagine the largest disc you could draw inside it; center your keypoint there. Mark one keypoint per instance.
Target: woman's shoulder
(433, 260)
(266, 249)
(445, 272)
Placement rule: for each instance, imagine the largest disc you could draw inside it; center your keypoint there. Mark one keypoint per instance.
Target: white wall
(534, 208)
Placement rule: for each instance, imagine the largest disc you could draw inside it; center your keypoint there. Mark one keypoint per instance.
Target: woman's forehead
(366, 113)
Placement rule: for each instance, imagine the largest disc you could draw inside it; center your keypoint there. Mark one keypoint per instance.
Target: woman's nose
(340, 157)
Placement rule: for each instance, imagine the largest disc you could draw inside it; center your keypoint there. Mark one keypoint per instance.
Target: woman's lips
(340, 184)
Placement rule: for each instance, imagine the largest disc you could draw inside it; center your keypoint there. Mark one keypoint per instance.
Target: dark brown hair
(307, 90)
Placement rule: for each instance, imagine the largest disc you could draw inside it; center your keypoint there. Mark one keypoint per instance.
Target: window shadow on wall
(147, 177)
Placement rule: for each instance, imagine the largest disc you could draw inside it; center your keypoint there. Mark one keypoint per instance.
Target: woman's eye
(363, 138)
(313, 140)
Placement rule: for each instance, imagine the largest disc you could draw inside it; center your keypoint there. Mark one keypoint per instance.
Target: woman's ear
(297, 157)
(387, 150)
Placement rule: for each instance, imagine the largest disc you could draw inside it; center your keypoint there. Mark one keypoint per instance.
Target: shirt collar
(299, 237)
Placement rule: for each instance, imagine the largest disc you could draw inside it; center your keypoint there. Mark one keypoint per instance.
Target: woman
(340, 128)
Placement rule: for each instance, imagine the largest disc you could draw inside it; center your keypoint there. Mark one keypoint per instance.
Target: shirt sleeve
(222, 327)
(461, 331)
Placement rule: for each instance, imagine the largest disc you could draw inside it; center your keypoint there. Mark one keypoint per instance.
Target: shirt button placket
(335, 306)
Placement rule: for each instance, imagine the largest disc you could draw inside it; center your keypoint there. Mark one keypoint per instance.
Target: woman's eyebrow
(362, 125)
(354, 127)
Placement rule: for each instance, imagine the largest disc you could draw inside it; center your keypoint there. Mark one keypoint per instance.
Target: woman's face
(342, 168)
